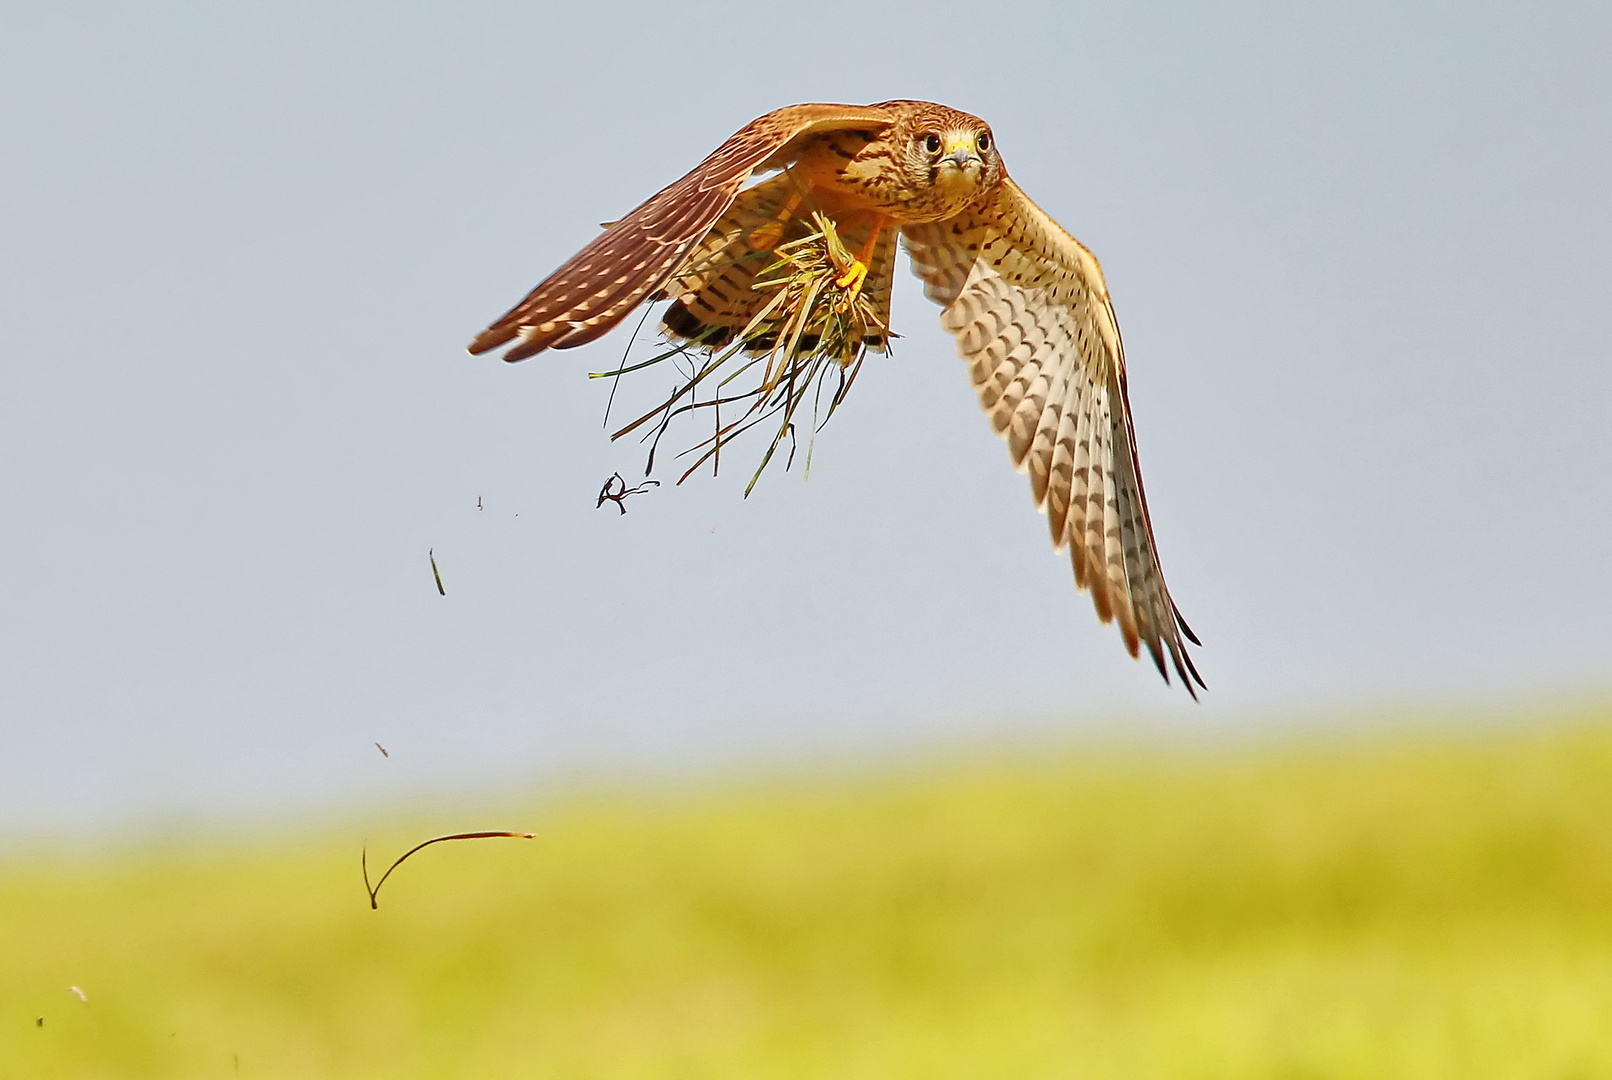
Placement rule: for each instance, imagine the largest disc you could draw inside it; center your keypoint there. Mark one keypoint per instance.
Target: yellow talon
(854, 277)
(858, 272)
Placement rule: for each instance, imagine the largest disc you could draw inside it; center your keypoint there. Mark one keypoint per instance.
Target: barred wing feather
(600, 285)
(1031, 315)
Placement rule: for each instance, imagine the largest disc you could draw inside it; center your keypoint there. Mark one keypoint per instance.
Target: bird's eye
(932, 143)
(984, 141)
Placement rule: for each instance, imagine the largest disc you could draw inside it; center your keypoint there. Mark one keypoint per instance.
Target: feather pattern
(1030, 312)
(597, 288)
(1025, 301)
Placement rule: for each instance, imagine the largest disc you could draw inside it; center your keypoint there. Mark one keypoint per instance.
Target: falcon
(1025, 301)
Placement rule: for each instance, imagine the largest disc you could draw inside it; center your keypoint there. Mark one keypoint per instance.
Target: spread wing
(603, 282)
(1031, 314)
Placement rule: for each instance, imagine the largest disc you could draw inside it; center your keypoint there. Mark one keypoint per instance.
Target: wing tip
(528, 346)
(488, 340)
(1182, 623)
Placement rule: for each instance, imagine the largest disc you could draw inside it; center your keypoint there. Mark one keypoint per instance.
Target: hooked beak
(962, 153)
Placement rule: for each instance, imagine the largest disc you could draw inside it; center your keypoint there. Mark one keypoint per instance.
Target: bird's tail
(713, 293)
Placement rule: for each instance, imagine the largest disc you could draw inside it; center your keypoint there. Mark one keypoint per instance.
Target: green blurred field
(1430, 905)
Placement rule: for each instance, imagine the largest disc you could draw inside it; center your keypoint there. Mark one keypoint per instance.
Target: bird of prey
(1025, 301)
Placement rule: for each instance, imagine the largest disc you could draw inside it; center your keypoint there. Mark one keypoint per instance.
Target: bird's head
(952, 153)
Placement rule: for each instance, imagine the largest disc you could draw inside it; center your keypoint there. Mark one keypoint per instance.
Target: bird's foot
(852, 279)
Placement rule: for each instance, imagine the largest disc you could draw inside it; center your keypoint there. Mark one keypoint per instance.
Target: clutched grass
(1415, 906)
(806, 342)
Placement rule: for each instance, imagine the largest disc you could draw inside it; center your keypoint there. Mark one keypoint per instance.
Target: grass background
(1436, 903)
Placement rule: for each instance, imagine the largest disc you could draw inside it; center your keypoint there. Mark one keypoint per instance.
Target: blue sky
(1358, 255)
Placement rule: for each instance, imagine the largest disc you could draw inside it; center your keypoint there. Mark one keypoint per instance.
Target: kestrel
(1025, 301)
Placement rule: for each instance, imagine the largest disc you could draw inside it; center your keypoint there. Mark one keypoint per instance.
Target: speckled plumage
(1026, 302)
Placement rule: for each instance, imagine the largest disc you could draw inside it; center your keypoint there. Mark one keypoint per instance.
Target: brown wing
(1030, 311)
(603, 282)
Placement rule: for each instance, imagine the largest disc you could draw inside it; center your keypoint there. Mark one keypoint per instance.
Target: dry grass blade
(363, 858)
(811, 334)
